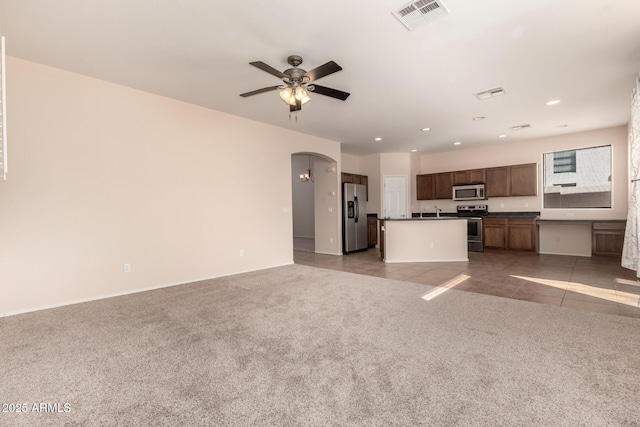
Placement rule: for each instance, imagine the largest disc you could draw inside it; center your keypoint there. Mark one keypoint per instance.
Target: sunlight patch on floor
(627, 282)
(592, 291)
(445, 287)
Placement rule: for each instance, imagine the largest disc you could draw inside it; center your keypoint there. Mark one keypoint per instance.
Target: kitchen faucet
(438, 211)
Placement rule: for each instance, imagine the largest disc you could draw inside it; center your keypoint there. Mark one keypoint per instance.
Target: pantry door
(395, 196)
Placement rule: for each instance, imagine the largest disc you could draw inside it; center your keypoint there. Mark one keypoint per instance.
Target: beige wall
(351, 164)
(371, 168)
(103, 175)
(327, 215)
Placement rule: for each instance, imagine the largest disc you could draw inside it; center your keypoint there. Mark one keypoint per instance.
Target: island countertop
(426, 218)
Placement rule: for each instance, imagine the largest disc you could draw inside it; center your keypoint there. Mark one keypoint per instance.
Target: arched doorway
(315, 204)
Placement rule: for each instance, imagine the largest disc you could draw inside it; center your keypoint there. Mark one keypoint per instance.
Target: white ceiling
(584, 52)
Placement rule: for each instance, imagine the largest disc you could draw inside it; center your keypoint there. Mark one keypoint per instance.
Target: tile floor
(597, 284)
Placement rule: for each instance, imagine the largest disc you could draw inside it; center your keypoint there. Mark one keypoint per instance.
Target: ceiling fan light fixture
(290, 96)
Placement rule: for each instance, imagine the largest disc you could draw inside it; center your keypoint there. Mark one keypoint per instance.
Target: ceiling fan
(298, 81)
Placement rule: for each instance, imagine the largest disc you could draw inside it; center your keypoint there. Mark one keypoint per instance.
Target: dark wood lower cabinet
(495, 232)
(607, 238)
(510, 233)
(522, 234)
(382, 239)
(372, 232)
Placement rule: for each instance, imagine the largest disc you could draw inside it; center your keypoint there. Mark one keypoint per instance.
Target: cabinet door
(522, 234)
(469, 177)
(372, 232)
(424, 187)
(498, 182)
(495, 233)
(443, 183)
(364, 180)
(347, 177)
(524, 180)
(356, 179)
(477, 175)
(460, 177)
(382, 240)
(608, 238)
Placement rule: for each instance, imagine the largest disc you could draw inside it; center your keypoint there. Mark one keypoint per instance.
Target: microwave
(469, 192)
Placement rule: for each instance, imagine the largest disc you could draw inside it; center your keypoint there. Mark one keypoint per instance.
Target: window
(564, 161)
(578, 178)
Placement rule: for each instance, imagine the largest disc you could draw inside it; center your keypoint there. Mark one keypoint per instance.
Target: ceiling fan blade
(255, 92)
(334, 93)
(323, 70)
(268, 68)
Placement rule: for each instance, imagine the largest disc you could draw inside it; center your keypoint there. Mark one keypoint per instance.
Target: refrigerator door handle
(355, 199)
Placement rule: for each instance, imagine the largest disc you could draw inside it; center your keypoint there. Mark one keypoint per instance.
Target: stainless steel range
(474, 214)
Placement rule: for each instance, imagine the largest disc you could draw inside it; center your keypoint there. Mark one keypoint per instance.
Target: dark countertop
(490, 215)
(426, 218)
(513, 214)
(576, 221)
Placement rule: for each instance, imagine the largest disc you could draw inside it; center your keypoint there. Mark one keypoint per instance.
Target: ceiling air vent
(520, 127)
(490, 93)
(417, 13)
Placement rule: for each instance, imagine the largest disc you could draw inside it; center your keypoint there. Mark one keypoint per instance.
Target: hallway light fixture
(308, 175)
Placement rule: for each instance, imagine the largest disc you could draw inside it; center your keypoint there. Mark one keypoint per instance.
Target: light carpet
(299, 345)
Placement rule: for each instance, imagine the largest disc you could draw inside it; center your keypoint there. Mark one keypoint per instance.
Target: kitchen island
(423, 239)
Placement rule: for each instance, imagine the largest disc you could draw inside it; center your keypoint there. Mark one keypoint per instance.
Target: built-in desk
(588, 237)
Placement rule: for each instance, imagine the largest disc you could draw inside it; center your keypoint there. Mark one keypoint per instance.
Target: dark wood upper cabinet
(424, 187)
(497, 182)
(443, 183)
(352, 178)
(524, 180)
(364, 180)
(504, 181)
(469, 177)
(477, 175)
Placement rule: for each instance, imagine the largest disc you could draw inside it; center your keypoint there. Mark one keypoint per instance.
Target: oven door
(474, 234)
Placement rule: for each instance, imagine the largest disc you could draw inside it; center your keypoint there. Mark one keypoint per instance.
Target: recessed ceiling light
(478, 118)
(457, 143)
(502, 136)
(554, 102)
(426, 129)
(414, 150)
(377, 138)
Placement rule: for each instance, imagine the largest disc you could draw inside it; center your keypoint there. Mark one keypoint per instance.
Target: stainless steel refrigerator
(354, 218)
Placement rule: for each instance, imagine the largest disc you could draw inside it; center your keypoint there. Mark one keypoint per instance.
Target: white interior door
(395, 196)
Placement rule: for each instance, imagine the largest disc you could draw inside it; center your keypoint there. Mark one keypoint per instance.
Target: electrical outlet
(127, 268)
(330, 239)
(502, 205)
(526, 204)
(569, 214)
(330, 210)
(431, 245)
(241, 252)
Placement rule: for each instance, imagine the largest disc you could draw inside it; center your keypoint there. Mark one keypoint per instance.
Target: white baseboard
(135, 291)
